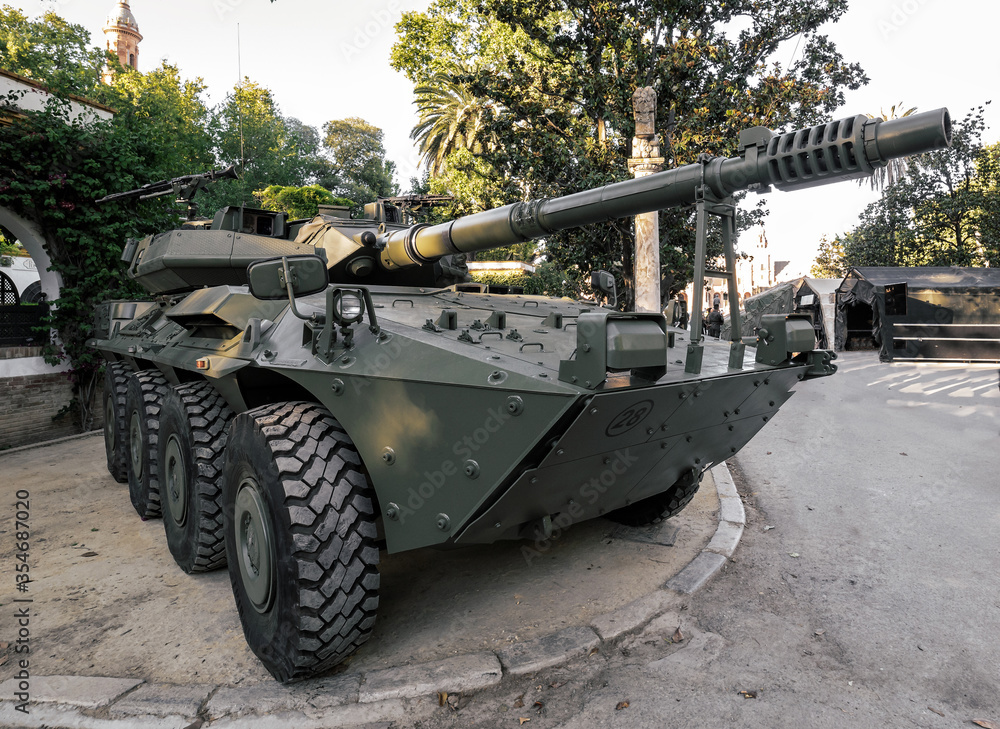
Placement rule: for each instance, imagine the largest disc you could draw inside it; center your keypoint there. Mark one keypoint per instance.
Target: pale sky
(328, 59)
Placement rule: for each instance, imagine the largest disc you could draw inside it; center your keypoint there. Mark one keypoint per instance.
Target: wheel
(301, 541)
(143, 403)
(190, 453)
(661, 506)
(115, 382)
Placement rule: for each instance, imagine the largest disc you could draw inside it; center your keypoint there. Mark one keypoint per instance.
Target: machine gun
(184, 188)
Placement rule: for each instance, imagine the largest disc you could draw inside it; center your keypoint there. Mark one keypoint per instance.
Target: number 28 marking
(629, 418)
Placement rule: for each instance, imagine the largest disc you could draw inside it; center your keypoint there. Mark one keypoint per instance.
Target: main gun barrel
(846, 149)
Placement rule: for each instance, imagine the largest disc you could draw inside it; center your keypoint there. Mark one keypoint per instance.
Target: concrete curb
(378, 695)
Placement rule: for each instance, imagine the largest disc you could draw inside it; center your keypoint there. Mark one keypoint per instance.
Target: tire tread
(331, 521)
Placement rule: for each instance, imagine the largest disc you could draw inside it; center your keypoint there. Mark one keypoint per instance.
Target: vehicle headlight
(348, 307)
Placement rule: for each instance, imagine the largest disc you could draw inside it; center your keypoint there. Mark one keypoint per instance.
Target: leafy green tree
(50, 50)
(249, 131)
(358, 155)
(829, 261)
(306, 143)
(940, 214)
(987, 219)
(167, 113)
(555, 79)
(298, 202)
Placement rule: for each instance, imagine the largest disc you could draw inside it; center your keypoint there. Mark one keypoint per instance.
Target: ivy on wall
(52, 169)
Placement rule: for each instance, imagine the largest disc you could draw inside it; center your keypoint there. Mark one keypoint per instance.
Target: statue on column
(646, 160)
(646, 143)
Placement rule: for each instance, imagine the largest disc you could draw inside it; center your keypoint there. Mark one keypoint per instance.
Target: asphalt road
(865, 593)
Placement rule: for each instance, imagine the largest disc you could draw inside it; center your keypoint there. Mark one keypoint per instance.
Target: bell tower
(123, 35)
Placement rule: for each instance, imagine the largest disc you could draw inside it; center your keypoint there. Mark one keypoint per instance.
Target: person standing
(715, 320)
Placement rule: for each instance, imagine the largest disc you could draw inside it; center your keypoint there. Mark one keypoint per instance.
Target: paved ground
(108, 602)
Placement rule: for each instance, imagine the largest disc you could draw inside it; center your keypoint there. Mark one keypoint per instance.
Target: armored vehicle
(296, 393)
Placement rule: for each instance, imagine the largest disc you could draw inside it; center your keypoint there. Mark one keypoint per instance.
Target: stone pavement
(384, 688)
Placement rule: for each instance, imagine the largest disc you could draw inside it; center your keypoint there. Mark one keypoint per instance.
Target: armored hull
(458, 408)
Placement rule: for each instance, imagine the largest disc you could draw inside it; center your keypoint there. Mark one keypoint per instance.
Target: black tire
(661, 506)
(191, 442)
(143, 404)
(115, 445)
(300, 537)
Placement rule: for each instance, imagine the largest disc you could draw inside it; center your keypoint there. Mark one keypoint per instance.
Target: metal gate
(8, 291)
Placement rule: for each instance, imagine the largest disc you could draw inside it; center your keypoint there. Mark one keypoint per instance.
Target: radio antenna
(239, 105)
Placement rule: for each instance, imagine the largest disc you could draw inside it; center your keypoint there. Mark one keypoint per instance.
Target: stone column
(646, 160)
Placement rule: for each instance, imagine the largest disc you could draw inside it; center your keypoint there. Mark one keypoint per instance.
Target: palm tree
(451, 118)
(886, 177)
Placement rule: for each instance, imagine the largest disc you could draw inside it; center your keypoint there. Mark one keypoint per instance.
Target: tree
(987, 219)
(249, 130)
(298, 202)
(830, 259)
(941, 214)
(168, 115)
(359, 158)
(451, 118)
(51, 51)
(305, 141)
(558, 76)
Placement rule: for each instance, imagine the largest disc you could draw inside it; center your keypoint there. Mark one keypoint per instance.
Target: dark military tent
(812, 297)
(777, 300)
(947, 313)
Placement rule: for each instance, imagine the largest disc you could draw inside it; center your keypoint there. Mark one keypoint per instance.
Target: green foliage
(167, 112)
(451, 118)
(501, 278)
(9, 246)
(829, 261)
(298, 202)
(943, 213)
(553, 84)
(359, 157)
(547, 280)
(51, 51)
(52, 170)
(249, 130)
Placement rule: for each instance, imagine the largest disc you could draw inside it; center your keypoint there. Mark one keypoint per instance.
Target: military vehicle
(295, 394)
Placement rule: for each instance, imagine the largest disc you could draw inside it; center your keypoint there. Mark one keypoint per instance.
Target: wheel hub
(135, 444)
(109, 423)
(255, 545)
(176, 480)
